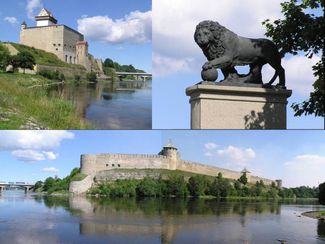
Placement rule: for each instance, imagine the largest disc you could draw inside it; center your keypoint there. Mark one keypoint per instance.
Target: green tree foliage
(220, 187)
(243, 179)
(38, 185)
(25, 60)
(321, 196)
(301, 31)
(56, 184)
(148, 187)
(109, 63)
(4, 57)
(198, 185)
(92, 77)
(176, 186)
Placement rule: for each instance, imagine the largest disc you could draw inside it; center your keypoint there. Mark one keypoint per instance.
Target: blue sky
(296, 157)
(177, 60)
(127, 16)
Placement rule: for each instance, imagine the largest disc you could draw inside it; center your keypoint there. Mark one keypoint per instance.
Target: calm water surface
(111, 105)
(35, 219)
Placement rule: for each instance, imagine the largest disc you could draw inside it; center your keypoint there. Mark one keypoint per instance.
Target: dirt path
(11, 48)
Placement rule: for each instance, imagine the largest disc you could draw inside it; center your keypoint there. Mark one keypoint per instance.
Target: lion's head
(209, 35)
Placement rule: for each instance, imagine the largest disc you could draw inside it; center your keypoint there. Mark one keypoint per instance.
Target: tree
(220, 187)
(148, 187)
(4, 57)
(197, 185)
(321, 196)
(48, 183)
(301, 31)
(109, 63)
(92, 77)
(243, 179)
(25, 60)
(176, 186)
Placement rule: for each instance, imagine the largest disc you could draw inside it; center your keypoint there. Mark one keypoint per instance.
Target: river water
(111, 105)
(40, 219)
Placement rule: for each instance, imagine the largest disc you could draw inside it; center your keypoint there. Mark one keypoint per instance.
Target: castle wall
(92, 164)
(70, 39)
(193, 167)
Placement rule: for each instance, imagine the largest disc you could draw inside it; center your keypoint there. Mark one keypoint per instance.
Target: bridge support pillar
(1, 188)
(27, 189)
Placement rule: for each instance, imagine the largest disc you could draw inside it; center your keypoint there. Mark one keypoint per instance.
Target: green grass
(322, 213)
(78, 177)
(43, 57)
(23, 104)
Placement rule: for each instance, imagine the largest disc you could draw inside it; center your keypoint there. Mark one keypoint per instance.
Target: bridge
(27, 186)
(138, 76)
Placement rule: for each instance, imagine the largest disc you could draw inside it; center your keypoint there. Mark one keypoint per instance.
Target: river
(120, 105)
(40, 219)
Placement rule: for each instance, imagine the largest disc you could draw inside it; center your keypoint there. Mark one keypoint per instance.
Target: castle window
(66, 58)
(56, 49)
(106, 165)
(118, 165)
(70, 60)
(113, 165)
(59, 45)
(54, 44)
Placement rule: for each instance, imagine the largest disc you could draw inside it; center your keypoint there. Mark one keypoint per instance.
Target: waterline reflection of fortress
(105, 167)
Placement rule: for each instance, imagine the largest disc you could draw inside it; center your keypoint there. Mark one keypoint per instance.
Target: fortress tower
(82, 52)
(45, 18)
(171, 152)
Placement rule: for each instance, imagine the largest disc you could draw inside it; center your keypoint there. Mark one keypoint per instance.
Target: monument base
(233, 107)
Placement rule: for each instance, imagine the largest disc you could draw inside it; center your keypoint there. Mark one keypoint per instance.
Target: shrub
(92, 77)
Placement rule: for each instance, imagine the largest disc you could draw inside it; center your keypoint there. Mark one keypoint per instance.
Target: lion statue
(224, 49)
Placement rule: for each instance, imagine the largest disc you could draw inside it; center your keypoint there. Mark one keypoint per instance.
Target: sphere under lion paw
(209, 74)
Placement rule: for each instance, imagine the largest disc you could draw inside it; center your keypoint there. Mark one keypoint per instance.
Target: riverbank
(315, 214)
(25, 104)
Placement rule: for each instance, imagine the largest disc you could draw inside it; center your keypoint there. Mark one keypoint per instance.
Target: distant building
(66, 43)
(102, 167)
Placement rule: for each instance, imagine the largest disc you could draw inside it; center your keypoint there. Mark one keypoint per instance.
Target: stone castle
(104, 167)
(66, 43)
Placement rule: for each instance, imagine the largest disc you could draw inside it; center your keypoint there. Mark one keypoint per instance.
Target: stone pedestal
(233, 107)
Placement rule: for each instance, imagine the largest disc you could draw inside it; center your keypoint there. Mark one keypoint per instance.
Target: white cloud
(136, 27)
(235, 157)
(33, 5)
(175, 21)
(11, 20)
(210, 145)
(28, 155)
(11, 140)
(50, 170)
(307, 169)
(208, 154)
(165, 65)
(33, 145)
(51, 155)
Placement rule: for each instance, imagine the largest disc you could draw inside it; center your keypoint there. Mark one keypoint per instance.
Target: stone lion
(224, 49)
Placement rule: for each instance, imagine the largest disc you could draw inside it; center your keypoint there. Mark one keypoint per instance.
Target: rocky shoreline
(314, 215)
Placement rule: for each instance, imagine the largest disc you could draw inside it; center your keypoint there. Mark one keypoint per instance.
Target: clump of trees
(109, 63)
(55, 184)
(24, 60)
(197, 186)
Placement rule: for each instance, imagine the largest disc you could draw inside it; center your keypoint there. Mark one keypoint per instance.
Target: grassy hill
(43, 57)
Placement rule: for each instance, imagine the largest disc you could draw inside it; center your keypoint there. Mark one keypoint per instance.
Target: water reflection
(111, 105)
(97, 220)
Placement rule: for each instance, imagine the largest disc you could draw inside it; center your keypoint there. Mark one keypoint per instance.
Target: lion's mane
(216, 47)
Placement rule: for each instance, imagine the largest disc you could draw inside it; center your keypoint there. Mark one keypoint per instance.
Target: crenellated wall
(101, 167)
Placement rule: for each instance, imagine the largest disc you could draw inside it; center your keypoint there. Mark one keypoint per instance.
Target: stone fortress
(66, 43)
(105, 167)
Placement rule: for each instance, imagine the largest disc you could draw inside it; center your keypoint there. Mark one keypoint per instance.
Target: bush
(176, 186)
(321, 196)
(198, 185)
(148, 187)
(52, 75)
(92, 77)
(4, 57)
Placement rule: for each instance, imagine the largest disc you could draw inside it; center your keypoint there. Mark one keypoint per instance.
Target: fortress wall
(44, 38)
(69, 44)
(194, 167)
(102, 162)
(254, 179)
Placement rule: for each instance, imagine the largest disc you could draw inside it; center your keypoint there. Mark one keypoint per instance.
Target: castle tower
(248, 174)
(172, 153)
(45, 18)
(82, 52)
(23, 25)
(279, 183)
